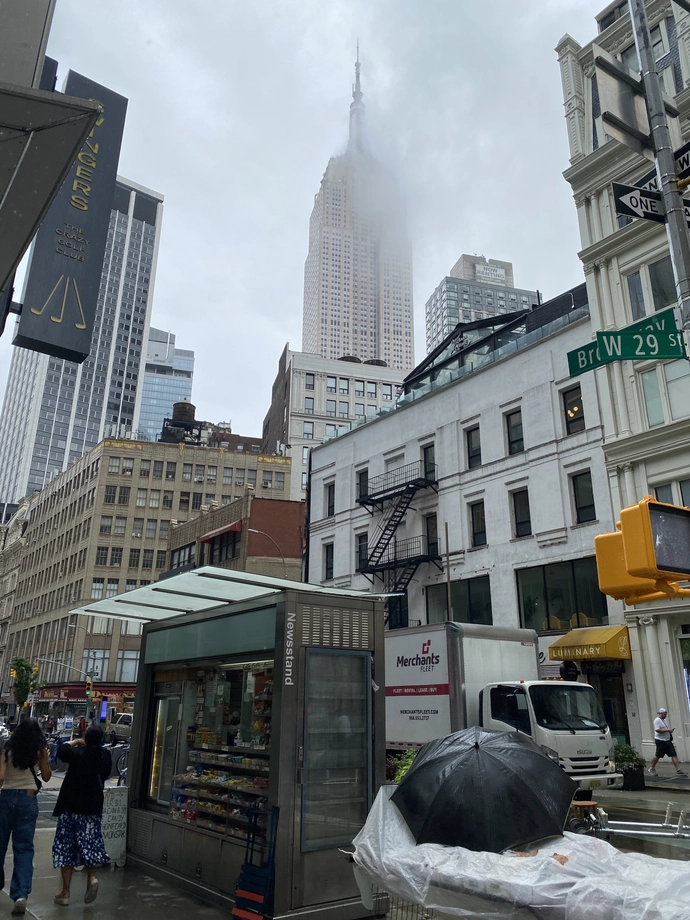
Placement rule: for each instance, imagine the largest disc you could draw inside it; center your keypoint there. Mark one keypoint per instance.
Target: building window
(305, 455)
(123, 495)
(344, 386)
(266, 479)
(113, 464)
(308, 381)
(127, 668)
(662, 284)
(120, 526)
(583, 496)
(102, 555)
(151, 528)
(134, 555)
(431, 528)
(331, 407)
(309, 405)
(429, 462)
(478, 524)
(170, 470)
(226, 546)
(167, 499)
(308, 430)
(142, 495)
(239, 477)
(359, 388)
(361, 550)
(196, 501)
(470, 600)
(184, 501)
(387, 391)
(371, 409)
(160, 558)
(145, 469)
(130, 585)
(186, 472)
(227, 475)
(95, 662)
(572, 406)
(331, 385)
(97, 589)
(521, 518)
(371, 389)
(127, 466)
(343, 409)
(110, 494)
(474, 448)
(362, 483)
(138, 527)
(304, 482)
(328, 561)
(359, 410)
(636, 297)
(185, 555)
(329, 499)
(106, 523)
(113, 587)
(157, 469)
(164, 530)
(563, 595)
(155, 498)
(251, 479)
(116, 555)
(514, 432)
(199, 472)
(147, 559)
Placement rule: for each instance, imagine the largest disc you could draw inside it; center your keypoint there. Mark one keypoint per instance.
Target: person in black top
(79, 810)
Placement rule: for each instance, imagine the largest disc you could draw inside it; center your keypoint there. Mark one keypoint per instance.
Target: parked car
(121, 726)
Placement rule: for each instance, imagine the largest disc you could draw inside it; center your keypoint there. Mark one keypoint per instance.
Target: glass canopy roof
(201, 590)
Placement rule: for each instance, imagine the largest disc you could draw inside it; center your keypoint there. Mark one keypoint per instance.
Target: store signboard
(65, 272)
(417, 690)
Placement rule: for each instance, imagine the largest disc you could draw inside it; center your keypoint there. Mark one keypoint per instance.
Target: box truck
(449, 676)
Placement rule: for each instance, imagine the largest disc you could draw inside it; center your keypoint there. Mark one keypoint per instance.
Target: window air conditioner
(136, 534)
(198, 479)
(266, 485)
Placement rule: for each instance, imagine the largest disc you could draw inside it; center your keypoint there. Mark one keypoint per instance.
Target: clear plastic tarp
(574, 877)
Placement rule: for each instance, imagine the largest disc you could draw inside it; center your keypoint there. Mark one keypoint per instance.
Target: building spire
(356, 139)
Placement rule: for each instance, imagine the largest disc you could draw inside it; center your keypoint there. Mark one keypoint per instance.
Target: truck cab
(564, 718)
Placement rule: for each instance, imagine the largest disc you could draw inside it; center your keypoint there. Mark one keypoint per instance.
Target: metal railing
(400, 552)
(419, 472)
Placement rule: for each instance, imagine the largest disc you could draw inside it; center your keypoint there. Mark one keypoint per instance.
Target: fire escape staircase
(396, 561)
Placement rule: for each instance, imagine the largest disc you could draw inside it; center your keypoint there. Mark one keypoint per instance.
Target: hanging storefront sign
(65, 272)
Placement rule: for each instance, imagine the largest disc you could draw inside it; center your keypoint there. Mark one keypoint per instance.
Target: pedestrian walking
(79, 810)
(663, 736)
(25, 753)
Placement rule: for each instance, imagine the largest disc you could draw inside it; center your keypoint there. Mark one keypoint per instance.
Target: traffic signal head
(656, 540)
(35, 669)
(89, 688)
(614, 578)
(13, 672)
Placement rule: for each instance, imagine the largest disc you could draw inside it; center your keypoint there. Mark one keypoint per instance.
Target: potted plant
(631, 765)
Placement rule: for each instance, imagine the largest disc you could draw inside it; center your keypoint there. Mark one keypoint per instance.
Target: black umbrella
(484, 791)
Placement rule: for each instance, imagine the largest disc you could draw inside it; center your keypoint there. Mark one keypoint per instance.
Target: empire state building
(358, 273)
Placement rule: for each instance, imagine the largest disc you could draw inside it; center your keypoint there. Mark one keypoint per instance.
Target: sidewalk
(668, 778)
(124, 892)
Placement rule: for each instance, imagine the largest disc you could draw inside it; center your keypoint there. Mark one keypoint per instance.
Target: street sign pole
(676, 225)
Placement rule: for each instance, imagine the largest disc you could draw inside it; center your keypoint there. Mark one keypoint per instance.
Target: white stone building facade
(645, 405)
(520, 484)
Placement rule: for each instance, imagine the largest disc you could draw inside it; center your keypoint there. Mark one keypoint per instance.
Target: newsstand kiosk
(266, 693)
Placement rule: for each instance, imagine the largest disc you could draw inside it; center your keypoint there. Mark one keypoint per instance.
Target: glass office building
(168, 377)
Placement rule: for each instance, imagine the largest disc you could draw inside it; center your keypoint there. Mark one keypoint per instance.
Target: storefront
(264, 696)
(603, 656)
(61, 699)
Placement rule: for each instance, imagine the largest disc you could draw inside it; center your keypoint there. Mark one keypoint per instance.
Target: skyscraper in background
(168, 377)
(358, 273)
(56, 410)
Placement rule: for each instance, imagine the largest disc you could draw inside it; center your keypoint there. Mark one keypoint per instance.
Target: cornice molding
(646, 444)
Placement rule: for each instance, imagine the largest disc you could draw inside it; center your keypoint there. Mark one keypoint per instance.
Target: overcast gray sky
(236, 107)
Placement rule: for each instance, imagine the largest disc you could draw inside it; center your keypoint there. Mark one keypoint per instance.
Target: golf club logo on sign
(425, 661)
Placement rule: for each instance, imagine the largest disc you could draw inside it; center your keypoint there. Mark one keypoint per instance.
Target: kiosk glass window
(685, 655)
(337, 747)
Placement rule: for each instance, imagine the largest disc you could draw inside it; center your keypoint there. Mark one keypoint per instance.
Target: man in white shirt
(663, 736)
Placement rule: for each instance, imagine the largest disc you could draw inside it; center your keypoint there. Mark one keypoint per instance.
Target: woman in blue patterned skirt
(79, 810)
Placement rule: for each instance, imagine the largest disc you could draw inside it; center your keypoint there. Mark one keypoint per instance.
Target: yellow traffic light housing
(89, 688)
(13, 672)
(614, 578)
(656, 540)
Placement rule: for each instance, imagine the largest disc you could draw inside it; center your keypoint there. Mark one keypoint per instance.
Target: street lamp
(263, 533)
(92, 650)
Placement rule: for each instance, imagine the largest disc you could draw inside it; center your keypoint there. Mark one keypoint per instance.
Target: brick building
(252, 534)
(101, 528)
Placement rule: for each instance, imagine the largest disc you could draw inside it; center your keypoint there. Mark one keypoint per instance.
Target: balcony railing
(402, 552)
(418, 473)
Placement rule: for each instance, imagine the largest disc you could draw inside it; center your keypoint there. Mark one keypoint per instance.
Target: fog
(236, 108)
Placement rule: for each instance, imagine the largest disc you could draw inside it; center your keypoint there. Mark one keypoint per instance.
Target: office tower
(358, 272)
(55, 410)
(476, 288)
(168, 377)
